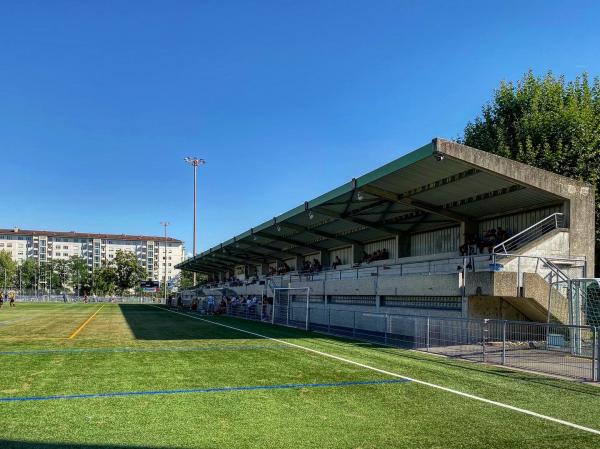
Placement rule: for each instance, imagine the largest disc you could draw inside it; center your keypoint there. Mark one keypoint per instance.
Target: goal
(291, 306)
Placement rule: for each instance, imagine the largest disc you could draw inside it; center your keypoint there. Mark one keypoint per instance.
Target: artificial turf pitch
(145, 377)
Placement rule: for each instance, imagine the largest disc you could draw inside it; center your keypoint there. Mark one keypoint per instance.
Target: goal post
(291, 306)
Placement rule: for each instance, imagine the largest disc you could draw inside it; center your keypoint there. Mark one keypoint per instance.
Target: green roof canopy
(424, 190)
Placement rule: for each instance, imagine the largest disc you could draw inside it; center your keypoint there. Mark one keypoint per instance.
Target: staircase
(530, 234)
(546, 288)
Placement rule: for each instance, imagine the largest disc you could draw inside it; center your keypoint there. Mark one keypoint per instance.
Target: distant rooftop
(86, 235)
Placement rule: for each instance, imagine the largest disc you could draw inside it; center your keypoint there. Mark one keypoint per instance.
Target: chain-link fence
(550, 348)
(89, 299)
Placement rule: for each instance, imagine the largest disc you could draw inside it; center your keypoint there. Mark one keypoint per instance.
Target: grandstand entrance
(291, 306)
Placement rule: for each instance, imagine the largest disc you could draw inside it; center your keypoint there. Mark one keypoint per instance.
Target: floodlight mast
(195, 162)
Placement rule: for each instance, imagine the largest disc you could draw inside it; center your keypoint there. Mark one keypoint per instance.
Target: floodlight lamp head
(311, 215)
(193, 160)
(360, 196)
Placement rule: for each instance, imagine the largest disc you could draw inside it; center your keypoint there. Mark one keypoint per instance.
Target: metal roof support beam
(350, 218)
(231, 258)
(273, 249)
(212, 261)
(484, 196)
(421, 205)
(318, 233)
(441, 182)
(290, 241)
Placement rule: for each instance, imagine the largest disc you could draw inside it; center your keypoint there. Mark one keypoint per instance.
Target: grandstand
(446, 231)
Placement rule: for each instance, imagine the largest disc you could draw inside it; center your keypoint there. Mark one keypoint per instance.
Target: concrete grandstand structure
(417, 211)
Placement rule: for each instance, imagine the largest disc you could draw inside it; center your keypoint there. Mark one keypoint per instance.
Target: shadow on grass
(13, 444)
(148, 322)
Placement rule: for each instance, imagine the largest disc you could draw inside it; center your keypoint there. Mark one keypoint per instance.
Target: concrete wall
(579, 196)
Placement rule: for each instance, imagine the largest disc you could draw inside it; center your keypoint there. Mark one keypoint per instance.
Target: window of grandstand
(311, 298)
(356, 300)
(423, 302)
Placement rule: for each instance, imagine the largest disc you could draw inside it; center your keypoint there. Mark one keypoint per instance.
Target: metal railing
(563, 350)
(528, 235)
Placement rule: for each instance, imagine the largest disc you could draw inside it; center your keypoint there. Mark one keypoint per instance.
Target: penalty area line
(400, 376)
(80, 328)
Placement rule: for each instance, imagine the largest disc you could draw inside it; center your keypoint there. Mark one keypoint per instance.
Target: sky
(100, 101)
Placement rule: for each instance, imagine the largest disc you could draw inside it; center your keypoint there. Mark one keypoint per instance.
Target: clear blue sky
(101, 100)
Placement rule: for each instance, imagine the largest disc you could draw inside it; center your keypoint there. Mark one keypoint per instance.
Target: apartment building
(152, 252)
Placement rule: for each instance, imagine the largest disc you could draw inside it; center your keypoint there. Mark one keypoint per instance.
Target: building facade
(155, 254)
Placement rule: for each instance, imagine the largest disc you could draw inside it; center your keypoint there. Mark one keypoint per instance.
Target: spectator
(337, 262)
(211, 304)
(501, 235)
(366, 257)
(316, 265)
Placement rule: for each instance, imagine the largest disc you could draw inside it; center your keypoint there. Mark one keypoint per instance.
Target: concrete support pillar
(325, 258)
(403, 245)
(264, 269)
(467, 227)
(299, 261)
(357, 253)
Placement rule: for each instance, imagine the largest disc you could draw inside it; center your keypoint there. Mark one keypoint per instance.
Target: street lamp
(195, 162)
(165, 224)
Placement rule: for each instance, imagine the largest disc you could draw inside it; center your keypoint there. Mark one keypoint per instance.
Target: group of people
(281, 269)
(312, 267)
(249, 303)
(380, 254)
(8, 297)
(475, 244)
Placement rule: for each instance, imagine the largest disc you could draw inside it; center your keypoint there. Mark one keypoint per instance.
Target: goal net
(291, 306)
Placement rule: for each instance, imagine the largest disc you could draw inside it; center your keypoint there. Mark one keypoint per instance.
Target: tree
(8, 270)
(105, 280)
(60, 276)
(546, 122)
(187, 279)
(79, 275)
(29, 273)
(129, 272)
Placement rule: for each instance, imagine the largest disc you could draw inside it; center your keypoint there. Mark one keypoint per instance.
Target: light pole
(195, 162)
(165, 224)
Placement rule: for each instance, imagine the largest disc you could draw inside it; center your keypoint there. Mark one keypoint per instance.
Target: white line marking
(389, 373)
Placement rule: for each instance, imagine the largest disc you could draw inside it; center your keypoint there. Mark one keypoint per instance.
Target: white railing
(528, 235)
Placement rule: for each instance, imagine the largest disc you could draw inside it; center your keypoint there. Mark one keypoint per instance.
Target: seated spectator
(366, 257)
(501, 235)
(316, 265)
(489, 241)
(306, 266)
(385, 254)
(337, 262)
(470, 245)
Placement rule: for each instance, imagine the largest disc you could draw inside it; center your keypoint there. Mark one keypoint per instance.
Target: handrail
(555, 221)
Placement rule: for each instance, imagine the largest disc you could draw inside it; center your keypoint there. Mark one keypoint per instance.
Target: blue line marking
(179, 349)
(204, 390)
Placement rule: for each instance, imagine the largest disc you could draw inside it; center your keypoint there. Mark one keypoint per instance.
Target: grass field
(142, 376)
